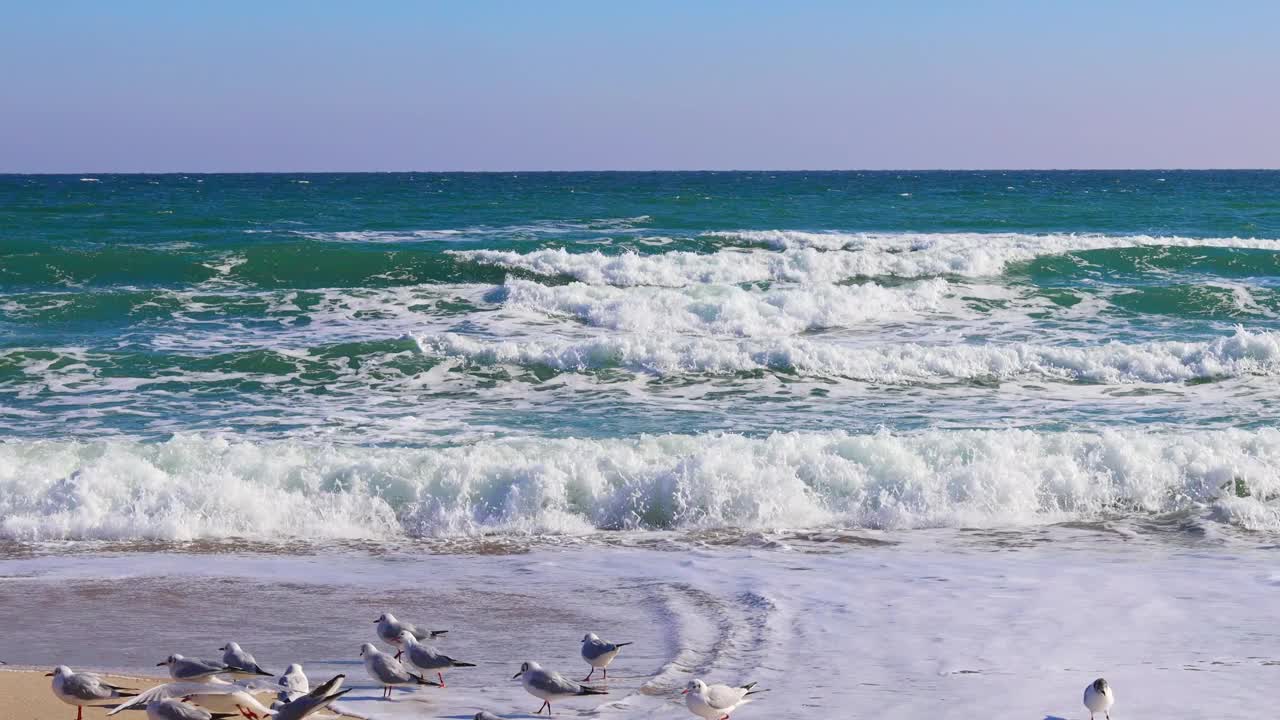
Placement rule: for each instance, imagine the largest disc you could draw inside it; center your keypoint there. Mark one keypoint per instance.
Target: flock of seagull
(236, 685)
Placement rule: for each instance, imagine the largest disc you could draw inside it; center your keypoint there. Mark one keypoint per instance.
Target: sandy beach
(25, 694)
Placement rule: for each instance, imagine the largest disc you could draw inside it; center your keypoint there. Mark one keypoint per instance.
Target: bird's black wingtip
(592, 691)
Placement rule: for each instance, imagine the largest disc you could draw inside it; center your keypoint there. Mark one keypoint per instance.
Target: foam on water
(211, 487)
(832, 257)
(730, 310)
(1242, 353)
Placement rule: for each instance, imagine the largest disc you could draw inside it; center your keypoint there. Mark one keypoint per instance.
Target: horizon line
(620, 171)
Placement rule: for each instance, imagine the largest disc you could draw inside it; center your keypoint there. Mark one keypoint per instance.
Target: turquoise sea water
(451, 354)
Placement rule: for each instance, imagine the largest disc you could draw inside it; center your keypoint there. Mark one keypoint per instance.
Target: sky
(132, 86)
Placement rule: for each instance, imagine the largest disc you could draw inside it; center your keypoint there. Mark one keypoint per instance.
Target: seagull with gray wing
(599, 654)
(82, 689)
(547, 685)
(389, 629)
(314, 701)
(425, 657)
(241, 662)
(387, 671)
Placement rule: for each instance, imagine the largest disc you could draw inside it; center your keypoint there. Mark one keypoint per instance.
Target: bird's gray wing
(596, 648)
(722, 697)
(195, 667)
(388, 669)
(306, 705)
(174, 710)
(428, 659)
(554, 682)
(85, 686)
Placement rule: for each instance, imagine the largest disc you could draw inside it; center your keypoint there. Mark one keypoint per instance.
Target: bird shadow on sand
(1053, 717)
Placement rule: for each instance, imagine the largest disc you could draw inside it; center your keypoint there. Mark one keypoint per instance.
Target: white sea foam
(728, 309)
(831, 257)
(209, 487)
(1242, 353)
(476, 232)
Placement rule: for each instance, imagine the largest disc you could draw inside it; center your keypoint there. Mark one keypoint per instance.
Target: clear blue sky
(475, 85)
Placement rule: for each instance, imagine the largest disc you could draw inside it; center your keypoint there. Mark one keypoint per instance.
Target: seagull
(599, 653)
(425, 657)
(82, 689)
(293, 684)
(387, 670)
(184, 668)
(240, 661)
(178, 710)
(389, 629)
(1099, 698)
(715, 702)
(548, 685)
(216, 696)
(314, 701)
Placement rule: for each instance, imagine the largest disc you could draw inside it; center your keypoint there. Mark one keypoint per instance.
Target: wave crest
(1243, 353)
(208, 487)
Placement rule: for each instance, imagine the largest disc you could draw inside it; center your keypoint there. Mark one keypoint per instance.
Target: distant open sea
(558, 355)
(903, 445)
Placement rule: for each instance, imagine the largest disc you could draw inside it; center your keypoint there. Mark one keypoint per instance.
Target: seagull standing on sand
(547, 685)
(599, 654)
(314, 701)
(715, 702)
(387, 670)
(1099, 698)
(425, 657)
(389, 629)
(82, 689)
(293, 684)
(241, 662)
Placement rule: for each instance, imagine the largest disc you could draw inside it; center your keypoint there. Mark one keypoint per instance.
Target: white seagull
(599, 654)
(1099, 698)
(293, 683)
(314, 701)
(715, 702)
(241, 662)
(425, 657)
(389, 629)
(82, 689)
(387, 671)
(547, 685)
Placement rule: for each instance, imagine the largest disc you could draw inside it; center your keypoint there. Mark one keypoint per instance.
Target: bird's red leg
(79, 712)
(441, 676)
(606, 673)
(588, 677)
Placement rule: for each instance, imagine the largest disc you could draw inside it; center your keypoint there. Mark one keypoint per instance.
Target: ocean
(886, 442)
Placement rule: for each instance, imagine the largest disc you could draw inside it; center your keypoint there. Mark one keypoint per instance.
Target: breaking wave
(1242, 353)
(196, 487)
